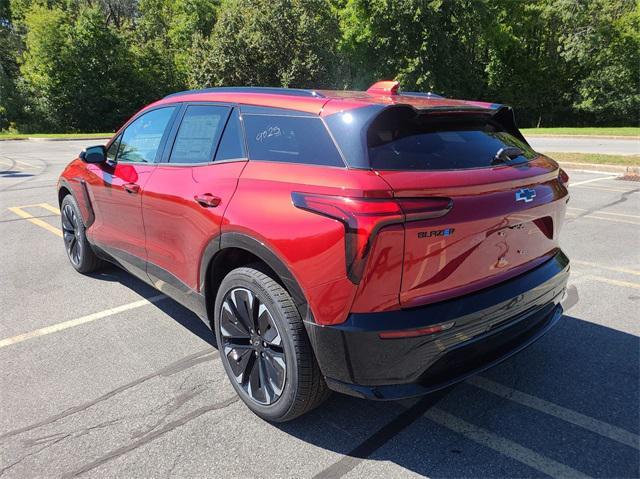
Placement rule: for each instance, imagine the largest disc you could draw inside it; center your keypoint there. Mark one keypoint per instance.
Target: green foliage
(555, 61)
(77, 72)
(603, 39)
(289, 43)
(85, 65)
(10, 101)
(427, 46)
(166, 27)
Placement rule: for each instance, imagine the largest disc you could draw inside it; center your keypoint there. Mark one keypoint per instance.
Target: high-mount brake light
(364, 217)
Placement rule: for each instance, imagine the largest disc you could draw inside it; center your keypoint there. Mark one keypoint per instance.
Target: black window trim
(166, 143)
(242, 136)
(333, 140)
(163, 140)
(166, 154)
(118, 138)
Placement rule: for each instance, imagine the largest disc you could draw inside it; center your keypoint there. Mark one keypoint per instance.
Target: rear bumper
(490, 326)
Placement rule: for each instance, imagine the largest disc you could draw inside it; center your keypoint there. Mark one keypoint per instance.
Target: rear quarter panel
(312, 246)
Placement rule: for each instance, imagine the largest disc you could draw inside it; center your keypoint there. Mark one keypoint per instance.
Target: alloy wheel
(71, 234)
(252, 346)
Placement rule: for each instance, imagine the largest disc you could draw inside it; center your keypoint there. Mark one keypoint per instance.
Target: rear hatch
(508, 202)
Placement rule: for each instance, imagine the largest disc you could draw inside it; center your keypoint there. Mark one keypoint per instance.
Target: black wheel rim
(71, 234)
(252, 346)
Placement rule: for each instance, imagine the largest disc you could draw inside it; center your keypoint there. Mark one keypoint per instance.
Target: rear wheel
(264, 347)
(78, 249)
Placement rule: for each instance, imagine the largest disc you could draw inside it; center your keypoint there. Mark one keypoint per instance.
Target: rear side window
(406, 141)
(198, 134)
(290, 139)
(231, 145)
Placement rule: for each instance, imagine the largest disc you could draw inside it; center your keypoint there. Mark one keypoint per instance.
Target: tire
(253, 360)
(78, 249)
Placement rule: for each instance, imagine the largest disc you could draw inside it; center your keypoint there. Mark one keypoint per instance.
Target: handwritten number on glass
(268, 132)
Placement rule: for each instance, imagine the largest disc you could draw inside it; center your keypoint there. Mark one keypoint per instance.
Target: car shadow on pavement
(566, 405)
(171, 308)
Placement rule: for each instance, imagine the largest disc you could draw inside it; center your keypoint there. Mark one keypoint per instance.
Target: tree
(79, 73)
(164, 34)
(10, 104)
(603, 39)
(426, 45)
(87, 64)
(291, 43)
(525, 68)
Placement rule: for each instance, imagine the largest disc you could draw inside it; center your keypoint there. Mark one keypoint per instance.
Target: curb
(620, 169)
(100, 138)
(70, 139)
(595, 137)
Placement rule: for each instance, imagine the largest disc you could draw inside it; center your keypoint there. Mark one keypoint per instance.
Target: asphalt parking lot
(103, 377)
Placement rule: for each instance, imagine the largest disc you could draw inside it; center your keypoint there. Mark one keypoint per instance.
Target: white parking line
(614, 282)
(592, 180)
(600, 212)
(606, 188)
(502, 445)
(608, 268)
(594, 217)
(78, 321)
(594, 425)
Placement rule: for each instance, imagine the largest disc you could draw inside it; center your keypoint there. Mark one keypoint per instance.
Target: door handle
(207, 200)
(131, 187)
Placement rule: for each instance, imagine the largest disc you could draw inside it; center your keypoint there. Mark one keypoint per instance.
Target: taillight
(363, 217)
(564, 178)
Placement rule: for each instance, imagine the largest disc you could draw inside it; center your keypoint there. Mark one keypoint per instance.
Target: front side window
(290, 139)
(141, 140)
(199, 133)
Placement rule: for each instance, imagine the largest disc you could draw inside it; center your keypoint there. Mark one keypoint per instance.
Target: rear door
(508, 203)
(185, 198)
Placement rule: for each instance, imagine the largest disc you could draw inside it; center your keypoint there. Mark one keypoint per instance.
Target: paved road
(585, 145)
(111, 381)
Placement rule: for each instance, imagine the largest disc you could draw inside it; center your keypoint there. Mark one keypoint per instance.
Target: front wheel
(78, 249)
(264, 347)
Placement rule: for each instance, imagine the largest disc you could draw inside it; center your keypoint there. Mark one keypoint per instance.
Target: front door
(117, 188)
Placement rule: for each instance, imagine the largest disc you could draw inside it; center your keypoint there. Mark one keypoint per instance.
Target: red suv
(380, 244)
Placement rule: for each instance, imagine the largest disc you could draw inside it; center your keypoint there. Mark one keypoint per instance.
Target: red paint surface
(495, 237)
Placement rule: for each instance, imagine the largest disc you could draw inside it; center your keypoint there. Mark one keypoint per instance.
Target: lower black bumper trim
(402, 391)
(490, 325)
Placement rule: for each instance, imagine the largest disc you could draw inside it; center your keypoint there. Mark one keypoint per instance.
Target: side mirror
(94, 154)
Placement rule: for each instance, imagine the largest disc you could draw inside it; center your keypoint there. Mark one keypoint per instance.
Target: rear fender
(257, 248)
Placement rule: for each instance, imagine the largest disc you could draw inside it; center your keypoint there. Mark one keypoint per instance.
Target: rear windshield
(403, 140)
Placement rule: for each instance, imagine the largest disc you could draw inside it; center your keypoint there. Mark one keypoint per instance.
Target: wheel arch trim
(256, 247)
(86, 208)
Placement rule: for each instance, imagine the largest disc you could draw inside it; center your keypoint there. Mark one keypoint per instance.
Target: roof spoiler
(391, 87)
